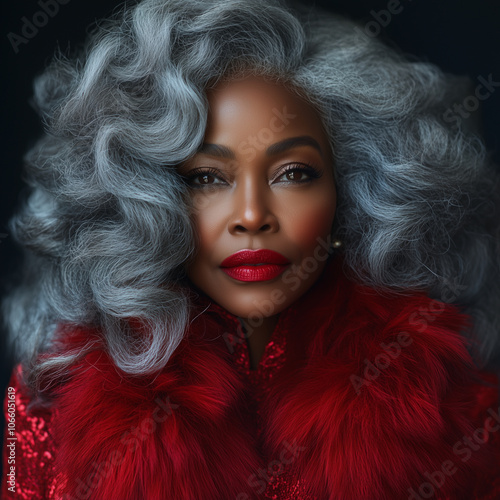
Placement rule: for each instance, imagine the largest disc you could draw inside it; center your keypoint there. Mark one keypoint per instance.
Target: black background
(462, 37)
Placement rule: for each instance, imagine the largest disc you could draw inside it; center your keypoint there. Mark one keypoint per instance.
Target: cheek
(316, 221)
(313, 221)
(209, 222)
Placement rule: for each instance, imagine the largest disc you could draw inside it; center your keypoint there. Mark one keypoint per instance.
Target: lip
(254, 257)
(254, 265)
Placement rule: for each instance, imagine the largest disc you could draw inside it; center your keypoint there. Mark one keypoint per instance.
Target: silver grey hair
(106, 226)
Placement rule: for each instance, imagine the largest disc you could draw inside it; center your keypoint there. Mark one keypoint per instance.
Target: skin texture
(247, 199)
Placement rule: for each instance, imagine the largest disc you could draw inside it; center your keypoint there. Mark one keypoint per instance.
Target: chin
(256, 313)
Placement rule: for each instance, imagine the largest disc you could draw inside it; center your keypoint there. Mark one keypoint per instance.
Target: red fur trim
(180, 436)
(369, 432)
(353, 434)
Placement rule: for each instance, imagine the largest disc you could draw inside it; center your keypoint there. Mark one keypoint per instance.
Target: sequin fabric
(33, 448)
(278, 481)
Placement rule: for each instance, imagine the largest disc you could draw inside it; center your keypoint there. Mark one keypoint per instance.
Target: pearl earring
(336, 244)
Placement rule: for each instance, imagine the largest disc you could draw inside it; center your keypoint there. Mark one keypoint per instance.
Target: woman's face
(263, 180)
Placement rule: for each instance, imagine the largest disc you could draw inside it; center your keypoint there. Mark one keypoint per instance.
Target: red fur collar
(374, 399)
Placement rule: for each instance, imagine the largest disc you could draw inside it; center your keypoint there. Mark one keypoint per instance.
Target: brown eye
(295, 175)
(298, 174)
(205, 177)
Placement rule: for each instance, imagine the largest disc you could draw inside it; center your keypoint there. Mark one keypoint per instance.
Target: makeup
(268, 196)
(255, 265)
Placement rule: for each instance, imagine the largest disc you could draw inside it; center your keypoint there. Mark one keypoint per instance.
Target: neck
(257, 337)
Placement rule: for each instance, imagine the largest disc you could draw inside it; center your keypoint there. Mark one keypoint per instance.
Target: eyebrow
(274, 149)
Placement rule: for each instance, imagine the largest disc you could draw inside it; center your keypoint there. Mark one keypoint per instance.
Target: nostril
(241, 228)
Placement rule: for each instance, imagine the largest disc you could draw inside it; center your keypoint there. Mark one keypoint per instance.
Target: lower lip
(264, 272)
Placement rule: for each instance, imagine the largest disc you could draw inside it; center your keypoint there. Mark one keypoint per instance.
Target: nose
(252, 212)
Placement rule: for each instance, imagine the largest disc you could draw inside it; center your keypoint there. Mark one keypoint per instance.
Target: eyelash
(311, 171)
(198, 172)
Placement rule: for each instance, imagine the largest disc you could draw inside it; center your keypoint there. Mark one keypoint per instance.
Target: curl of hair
(106, 227)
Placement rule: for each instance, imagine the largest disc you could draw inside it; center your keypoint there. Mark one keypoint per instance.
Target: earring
(336, 244)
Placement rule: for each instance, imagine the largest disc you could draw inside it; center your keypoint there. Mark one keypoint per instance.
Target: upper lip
(262, 256)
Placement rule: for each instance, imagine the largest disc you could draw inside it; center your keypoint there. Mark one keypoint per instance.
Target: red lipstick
(254, 265)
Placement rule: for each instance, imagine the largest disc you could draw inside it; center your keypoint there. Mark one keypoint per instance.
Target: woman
(261, 264)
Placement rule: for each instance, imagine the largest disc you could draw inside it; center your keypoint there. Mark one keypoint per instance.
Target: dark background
(462, 37)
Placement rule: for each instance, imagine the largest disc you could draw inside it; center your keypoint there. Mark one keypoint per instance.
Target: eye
(202, 177)
(298, 173)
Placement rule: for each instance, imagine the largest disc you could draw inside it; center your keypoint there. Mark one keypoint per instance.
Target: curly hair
(106, 226)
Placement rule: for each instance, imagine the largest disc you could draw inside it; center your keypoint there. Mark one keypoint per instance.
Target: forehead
(253, 105)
